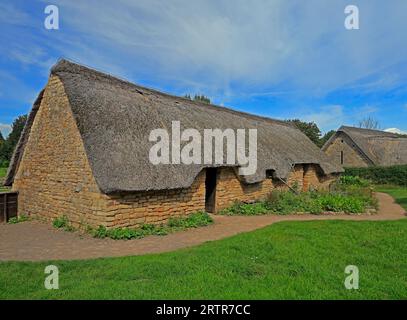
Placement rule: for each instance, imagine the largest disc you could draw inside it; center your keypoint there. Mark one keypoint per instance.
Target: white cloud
(327, 117)
(395, 130)
(212, 45)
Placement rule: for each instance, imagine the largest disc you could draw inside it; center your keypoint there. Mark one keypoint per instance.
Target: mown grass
(287, 260)
(397, 192)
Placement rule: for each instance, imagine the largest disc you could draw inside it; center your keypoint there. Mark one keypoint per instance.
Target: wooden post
(5, 208)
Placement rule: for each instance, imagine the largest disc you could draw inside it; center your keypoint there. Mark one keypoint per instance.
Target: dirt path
(34, 241)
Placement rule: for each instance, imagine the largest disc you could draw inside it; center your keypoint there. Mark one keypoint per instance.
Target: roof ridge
(380, 132)
(63, 65)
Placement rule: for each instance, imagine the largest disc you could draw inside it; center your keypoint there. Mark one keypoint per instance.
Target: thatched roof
(379, 147)
(115, 118)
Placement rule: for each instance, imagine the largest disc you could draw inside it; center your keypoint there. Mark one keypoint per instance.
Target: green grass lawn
(287, 260)
(398, 193)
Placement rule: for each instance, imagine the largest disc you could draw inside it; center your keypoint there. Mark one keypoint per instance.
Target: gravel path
(35, 241)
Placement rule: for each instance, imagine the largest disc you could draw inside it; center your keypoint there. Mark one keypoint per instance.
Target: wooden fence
(8, 205)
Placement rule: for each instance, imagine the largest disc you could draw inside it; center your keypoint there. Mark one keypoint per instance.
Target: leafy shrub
(18, 219)
(354, 181)
(346, 196)
(248, 209)
(62, 223)
(194, 220)
(396, 175)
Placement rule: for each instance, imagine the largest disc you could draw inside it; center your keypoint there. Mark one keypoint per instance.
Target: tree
(369, 123)
(198, 97)
(1, 138)
(7, 147)
(310, 129)
(326, 137)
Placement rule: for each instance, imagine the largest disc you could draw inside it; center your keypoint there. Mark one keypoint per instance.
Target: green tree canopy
(310, 129)
(7, 147)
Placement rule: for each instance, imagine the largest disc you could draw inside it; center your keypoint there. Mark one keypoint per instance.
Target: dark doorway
(210, 190)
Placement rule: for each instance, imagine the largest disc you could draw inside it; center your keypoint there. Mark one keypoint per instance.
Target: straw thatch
(379, 147)
(115, 118)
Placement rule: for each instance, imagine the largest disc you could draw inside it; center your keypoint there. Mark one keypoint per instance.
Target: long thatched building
(357, 147)
(84, 153)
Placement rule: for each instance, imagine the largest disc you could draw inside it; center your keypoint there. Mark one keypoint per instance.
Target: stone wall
(315, 180)
(54, 178)
(132, 209)
(229, 189)
(351, 156)
(303, 177)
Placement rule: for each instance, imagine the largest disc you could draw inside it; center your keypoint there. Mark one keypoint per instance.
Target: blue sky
(283, 58)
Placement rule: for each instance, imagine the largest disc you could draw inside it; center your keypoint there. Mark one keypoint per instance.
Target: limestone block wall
(313, 179)
(54, 177)
(229, 189)
(132, 209)
(296, 178)
(351, 156)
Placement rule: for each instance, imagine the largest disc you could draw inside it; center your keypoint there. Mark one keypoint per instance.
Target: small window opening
(269, 174)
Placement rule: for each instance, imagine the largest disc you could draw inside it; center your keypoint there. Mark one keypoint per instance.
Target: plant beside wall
(348, 195)
(18, 219)
(63, 223)
(195, 220)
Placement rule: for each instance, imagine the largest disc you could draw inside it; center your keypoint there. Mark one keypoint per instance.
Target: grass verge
(287, 260)
(397, 192)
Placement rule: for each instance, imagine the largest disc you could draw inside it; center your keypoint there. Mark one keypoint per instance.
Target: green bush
(354, 181)
(349, 195)
(316, 202)
(18, 219)
(248, 209)
(63, 223)
(396, 175)
(195, 220)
